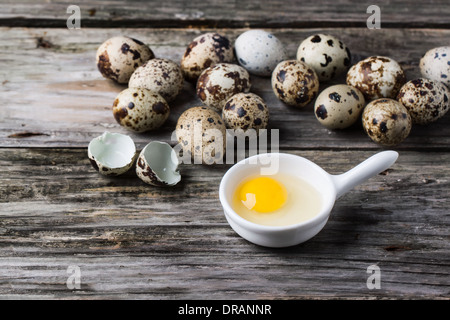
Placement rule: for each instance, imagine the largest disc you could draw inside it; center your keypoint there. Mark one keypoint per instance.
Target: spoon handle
(372, 166)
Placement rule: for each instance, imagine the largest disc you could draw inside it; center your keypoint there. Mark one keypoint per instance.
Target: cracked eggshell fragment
(157, 165)
(112, 154)
(162, 76)
(118, 57)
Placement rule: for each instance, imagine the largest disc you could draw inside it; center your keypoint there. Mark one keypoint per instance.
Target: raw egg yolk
(262, 194)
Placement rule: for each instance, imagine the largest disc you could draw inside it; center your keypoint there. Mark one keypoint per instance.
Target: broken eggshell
(157, 165)
(112, 154)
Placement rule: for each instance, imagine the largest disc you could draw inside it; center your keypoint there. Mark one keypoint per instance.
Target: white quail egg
(219, 83)
(339, 106)
(112, 154)
(205, 51)
(386, 121)
(140, 110)
(295, 83)
(259, 52)
(435, 65)
(426, 100)
(118, 57)
(157, 165)
(162, 76)
(377, 77)
(201, 133)
(245, 111)
(327, 55)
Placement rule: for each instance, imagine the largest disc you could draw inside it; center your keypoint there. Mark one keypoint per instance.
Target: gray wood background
(134, 241)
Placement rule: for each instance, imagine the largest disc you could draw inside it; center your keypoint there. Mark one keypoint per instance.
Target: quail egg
(205, 51)
(426, 100)
(245, 111)
(118, 57)
(386, 121)
(259, 52)
(377, 77)
(112, 154)
(339, 106)
(295, 83)
(202, 135)
(157, 165)
(140, 110)
(162, 76)
(218, 83)
(327, 55)
(435, 65)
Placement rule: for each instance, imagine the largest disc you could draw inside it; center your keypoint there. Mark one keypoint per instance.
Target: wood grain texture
(224, 13)
(135, 241)
(54, 96)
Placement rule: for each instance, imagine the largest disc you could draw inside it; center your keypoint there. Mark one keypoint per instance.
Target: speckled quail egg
(118, 57)
(426, 100)
(386, 121)
(202, 135)
(259, 52)
(112, 154)
(140, 110)
(218, 83)
(157, 165)
(327, 55)
(339, 106)
(377, 77)
(162, 76)
(245, 111)
(205, 51)
(295, 83)
(435, 65)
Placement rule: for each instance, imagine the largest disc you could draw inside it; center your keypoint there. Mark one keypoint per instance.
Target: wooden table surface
(133, 241)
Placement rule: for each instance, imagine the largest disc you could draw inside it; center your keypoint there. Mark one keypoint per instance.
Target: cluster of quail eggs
(375, 91)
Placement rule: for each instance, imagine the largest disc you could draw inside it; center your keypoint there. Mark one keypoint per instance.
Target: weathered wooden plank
(53, 96)
(132, 240)
(219, 14)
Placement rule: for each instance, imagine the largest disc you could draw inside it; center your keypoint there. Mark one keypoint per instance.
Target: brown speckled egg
(219, 83)
(245, 111)
(339, 106)
(426, 100)
(118, 57)
(162, 76)
(377, 77)
(202, 135)
(386, 121)
(295, 83)
(327, 55)
(205, 51)
(140, 110)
